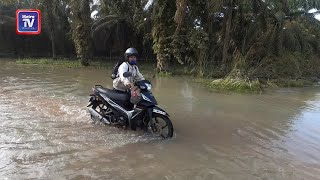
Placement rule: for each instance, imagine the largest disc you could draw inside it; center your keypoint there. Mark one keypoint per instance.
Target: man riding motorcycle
(122, 83)
(125, 84)
(117, 107)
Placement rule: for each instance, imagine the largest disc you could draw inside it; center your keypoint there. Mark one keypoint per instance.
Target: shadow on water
(45, 131)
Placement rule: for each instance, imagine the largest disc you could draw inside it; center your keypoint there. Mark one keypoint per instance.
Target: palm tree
(81, 31)
(162, 28)
(49, 14)
(119, 24)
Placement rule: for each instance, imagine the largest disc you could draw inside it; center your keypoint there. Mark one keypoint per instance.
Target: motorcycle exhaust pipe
(95, 114)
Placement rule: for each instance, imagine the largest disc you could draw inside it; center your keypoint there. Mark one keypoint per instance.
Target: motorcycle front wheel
(163, 126)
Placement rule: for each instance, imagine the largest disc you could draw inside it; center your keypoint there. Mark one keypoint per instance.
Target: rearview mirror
(127, 74)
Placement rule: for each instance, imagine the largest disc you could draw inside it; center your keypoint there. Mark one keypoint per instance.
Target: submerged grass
(287, 83)
(69, 63)
(147, 68)
(236, 85)
(53, 62)
(164, 74)
(229, 83)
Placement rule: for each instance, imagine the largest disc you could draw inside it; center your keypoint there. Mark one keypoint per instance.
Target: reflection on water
(45, 131)
(305, 132)
(186, 92)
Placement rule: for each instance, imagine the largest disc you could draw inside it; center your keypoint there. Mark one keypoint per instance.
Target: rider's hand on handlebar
(130, 85)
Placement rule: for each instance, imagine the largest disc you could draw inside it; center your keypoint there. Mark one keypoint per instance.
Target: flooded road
(46, 133)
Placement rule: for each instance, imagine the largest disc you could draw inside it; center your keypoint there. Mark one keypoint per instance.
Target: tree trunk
(285, 7)
(53, 46)
(278, 40)
(50, 21)
(163, 14)
(81, 29)
(162, 64)
(180, 14)
(227, 34)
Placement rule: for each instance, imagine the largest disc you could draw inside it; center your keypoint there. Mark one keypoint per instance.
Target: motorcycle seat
(115, 95)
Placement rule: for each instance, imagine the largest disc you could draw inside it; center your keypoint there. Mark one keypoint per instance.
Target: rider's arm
(122, 69)
(139, 76)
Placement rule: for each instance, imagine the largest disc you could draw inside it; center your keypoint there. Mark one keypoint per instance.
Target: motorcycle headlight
(149, 86)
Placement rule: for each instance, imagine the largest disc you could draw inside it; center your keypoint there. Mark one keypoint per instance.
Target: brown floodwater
(46, 132)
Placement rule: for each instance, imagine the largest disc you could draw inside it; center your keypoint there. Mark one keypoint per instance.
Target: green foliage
(242, 40)
(288, 65)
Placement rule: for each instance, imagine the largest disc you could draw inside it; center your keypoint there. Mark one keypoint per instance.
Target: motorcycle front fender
(158, 110)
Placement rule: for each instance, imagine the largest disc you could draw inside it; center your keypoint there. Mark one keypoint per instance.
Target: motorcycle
(113, 107)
